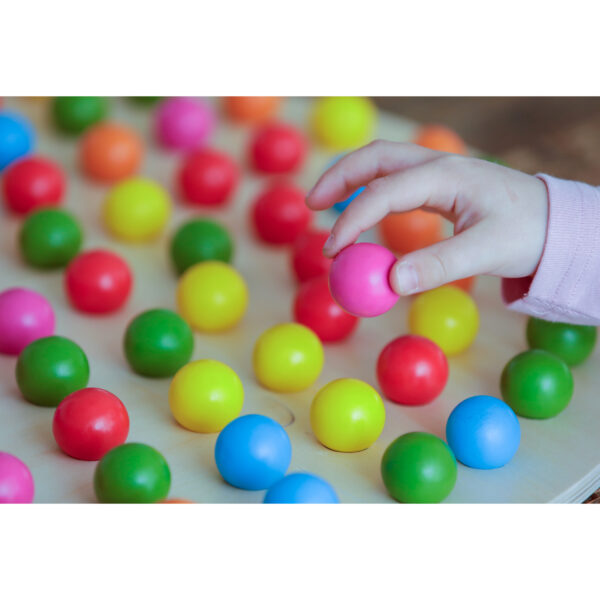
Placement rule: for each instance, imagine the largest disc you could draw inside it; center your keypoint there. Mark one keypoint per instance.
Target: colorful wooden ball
(341, 123)
(17, 137)
(572, 343)
(253, 452)
(412, 370)
(50, 369)
(50, 238)
(448, 316)
(359, 279)
(25, 316)
(277, 148)
(90, 422)
(280, 214)
(98, 282)
(212, 296)
(74, 114)
(315, 308)
(537, 384)
(307, 255)
(16, 481)
(438, 137)
(132, 473)
(184, 123)
(110, 152)
(251, 109)
(483, 432)
(32, 183)
(418, 467)
(200, 240)
(158, 343)
(207, 178)
(347, 415)
(288, 358)
(137, 210)
(301, 488)
(406, 232)
(205, 395)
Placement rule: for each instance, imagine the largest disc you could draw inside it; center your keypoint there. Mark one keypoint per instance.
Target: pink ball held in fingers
(359, 280)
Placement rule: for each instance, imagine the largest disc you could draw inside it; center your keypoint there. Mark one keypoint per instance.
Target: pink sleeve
(566, 285)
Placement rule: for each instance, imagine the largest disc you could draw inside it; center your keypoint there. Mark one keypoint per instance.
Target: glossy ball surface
(205, 395)
(132, 473)
(448, 316)
(418, 467)
(438, 137)
(253, 452)
(301, 488)
(50, 238)
(158, 343)
(406, 232)
(74, 114)
(251, 109)
(184, 123)
(537, 384)
(50, 369)
(17, 137)
(90, 422)
(212, 296)
(359, 280)
(16, 481)
(307, 255)
(277, 148)
(412, 370)
(288, 358)
(347, 415)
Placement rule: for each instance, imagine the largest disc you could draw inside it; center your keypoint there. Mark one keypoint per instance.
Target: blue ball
(483, 432)
(301, 488)
(341, 206)
(253, 452)
(16, 137)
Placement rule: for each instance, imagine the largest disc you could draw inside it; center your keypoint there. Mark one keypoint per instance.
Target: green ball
(537, 384)
(50, 368)
(158, 343)
(50, 238)
(572, 343)
(132, 473)
(74, 114)
(199, 240)
(418, 468)
(145, 100)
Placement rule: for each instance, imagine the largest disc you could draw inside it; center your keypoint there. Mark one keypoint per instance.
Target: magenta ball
(184, 123)
(16, 482)
(359, 280)
(25, 316)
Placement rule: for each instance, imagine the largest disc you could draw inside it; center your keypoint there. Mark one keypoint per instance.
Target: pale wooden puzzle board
(557, 461)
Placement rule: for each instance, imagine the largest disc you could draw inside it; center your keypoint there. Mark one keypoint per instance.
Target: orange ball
(438, 137)
(251, 109)
(406, 232)
(110, 152)
(465, 284)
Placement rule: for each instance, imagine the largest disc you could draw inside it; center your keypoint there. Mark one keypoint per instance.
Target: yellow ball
(212, 296)
(136, 210)
(288, 358)
(347, 415)
(205, 395)
(448, 316)
(340, 123)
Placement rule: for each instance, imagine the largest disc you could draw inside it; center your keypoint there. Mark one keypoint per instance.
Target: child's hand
(499, 215)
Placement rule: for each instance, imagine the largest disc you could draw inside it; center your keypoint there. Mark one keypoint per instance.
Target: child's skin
(503, 224)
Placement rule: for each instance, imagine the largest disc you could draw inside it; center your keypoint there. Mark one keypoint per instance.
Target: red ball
(31, 183)
(90, 422)
(315, 308)
(307, 255)
(277, 148)
(98, 281)
(412, 370)
(280, 213)
(207, 178)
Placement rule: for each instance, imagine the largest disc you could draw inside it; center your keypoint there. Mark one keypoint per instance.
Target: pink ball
(25, 316)
(16, 482)
(359, 280)
(184, 123)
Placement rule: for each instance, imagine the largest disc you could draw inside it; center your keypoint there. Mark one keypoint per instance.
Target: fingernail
(405, 279)
(328, 244)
